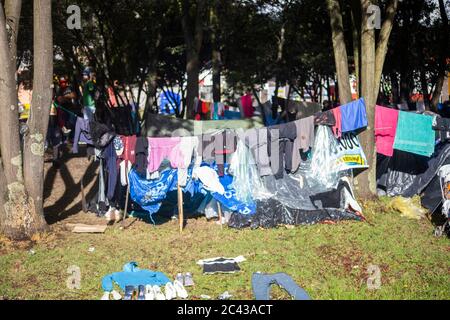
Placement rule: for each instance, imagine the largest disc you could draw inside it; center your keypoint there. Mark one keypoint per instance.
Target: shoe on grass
(105, 296)
(158, 293)
(116, 295)
(188, 280)
(129, 292)
(149, 293)
(179, 277)
(180, 290)
(141, 293)
(170, 291)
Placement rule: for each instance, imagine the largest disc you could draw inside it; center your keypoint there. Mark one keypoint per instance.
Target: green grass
(328, 261)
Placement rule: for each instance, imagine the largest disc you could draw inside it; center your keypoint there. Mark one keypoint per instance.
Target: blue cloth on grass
(133, 276)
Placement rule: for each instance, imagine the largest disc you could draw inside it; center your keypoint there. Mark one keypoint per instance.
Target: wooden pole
(180, 208)
(220, 213)
(125, 210)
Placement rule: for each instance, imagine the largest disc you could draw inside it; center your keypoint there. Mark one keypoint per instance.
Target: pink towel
(385, 128)
(164, 148)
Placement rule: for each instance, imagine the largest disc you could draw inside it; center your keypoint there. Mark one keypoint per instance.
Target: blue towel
(353, 115)
(415, 134)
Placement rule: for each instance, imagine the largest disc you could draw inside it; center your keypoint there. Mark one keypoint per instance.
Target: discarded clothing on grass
(221, 265)
(385, 128)
(133, 276)
(415, 134)
(262, 283)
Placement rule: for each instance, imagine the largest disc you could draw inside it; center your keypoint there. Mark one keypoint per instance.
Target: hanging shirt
(353, 115)
(337, 128)
(415, 133)
(141, 154)
(385, 128)
(82, 134)
(163, 148)
(304, 141)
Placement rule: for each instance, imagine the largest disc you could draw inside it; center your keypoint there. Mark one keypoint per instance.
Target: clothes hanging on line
(82, 134)
(422, 141)
(386, 120)
(353, 115)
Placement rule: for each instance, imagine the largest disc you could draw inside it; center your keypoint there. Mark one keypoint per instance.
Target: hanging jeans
(261, 284)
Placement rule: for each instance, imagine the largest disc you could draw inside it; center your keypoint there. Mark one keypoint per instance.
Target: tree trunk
(366, 181)
(216, 59)
(193, 37)
(383, 41)
(445, 34)
(356, 51)
(18, 219)
(12, 12)
(39, 113)
(192, 87)
(340, 51)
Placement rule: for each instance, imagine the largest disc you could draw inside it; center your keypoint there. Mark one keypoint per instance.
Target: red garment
(205, 107)
(247, 106)
(337, 128)
(129, 147)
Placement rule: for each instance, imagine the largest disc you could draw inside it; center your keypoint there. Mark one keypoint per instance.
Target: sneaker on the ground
(170, 291)
(141, 293)
(105, 296)
(149, 294)
(129, 292)
(158, 293)
(179, 277)
(116, 295)
(180, 290)
(188, 280)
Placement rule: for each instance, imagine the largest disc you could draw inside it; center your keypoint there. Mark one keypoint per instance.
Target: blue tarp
(150, 194)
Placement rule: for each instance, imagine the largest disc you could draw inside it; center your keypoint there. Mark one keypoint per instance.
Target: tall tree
(340, 51)
(373, 55)
(21, 212)
(444, 55)
(192, 21)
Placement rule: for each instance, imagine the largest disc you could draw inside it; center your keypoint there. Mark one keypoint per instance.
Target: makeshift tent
(306, 179)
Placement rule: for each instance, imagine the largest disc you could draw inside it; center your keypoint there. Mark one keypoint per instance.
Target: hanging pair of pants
(261, 284)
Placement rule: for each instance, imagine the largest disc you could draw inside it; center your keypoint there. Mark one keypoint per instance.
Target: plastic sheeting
(271, 213)
(407, 174)
(301, 206)
(246, 180)
(324, 169)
